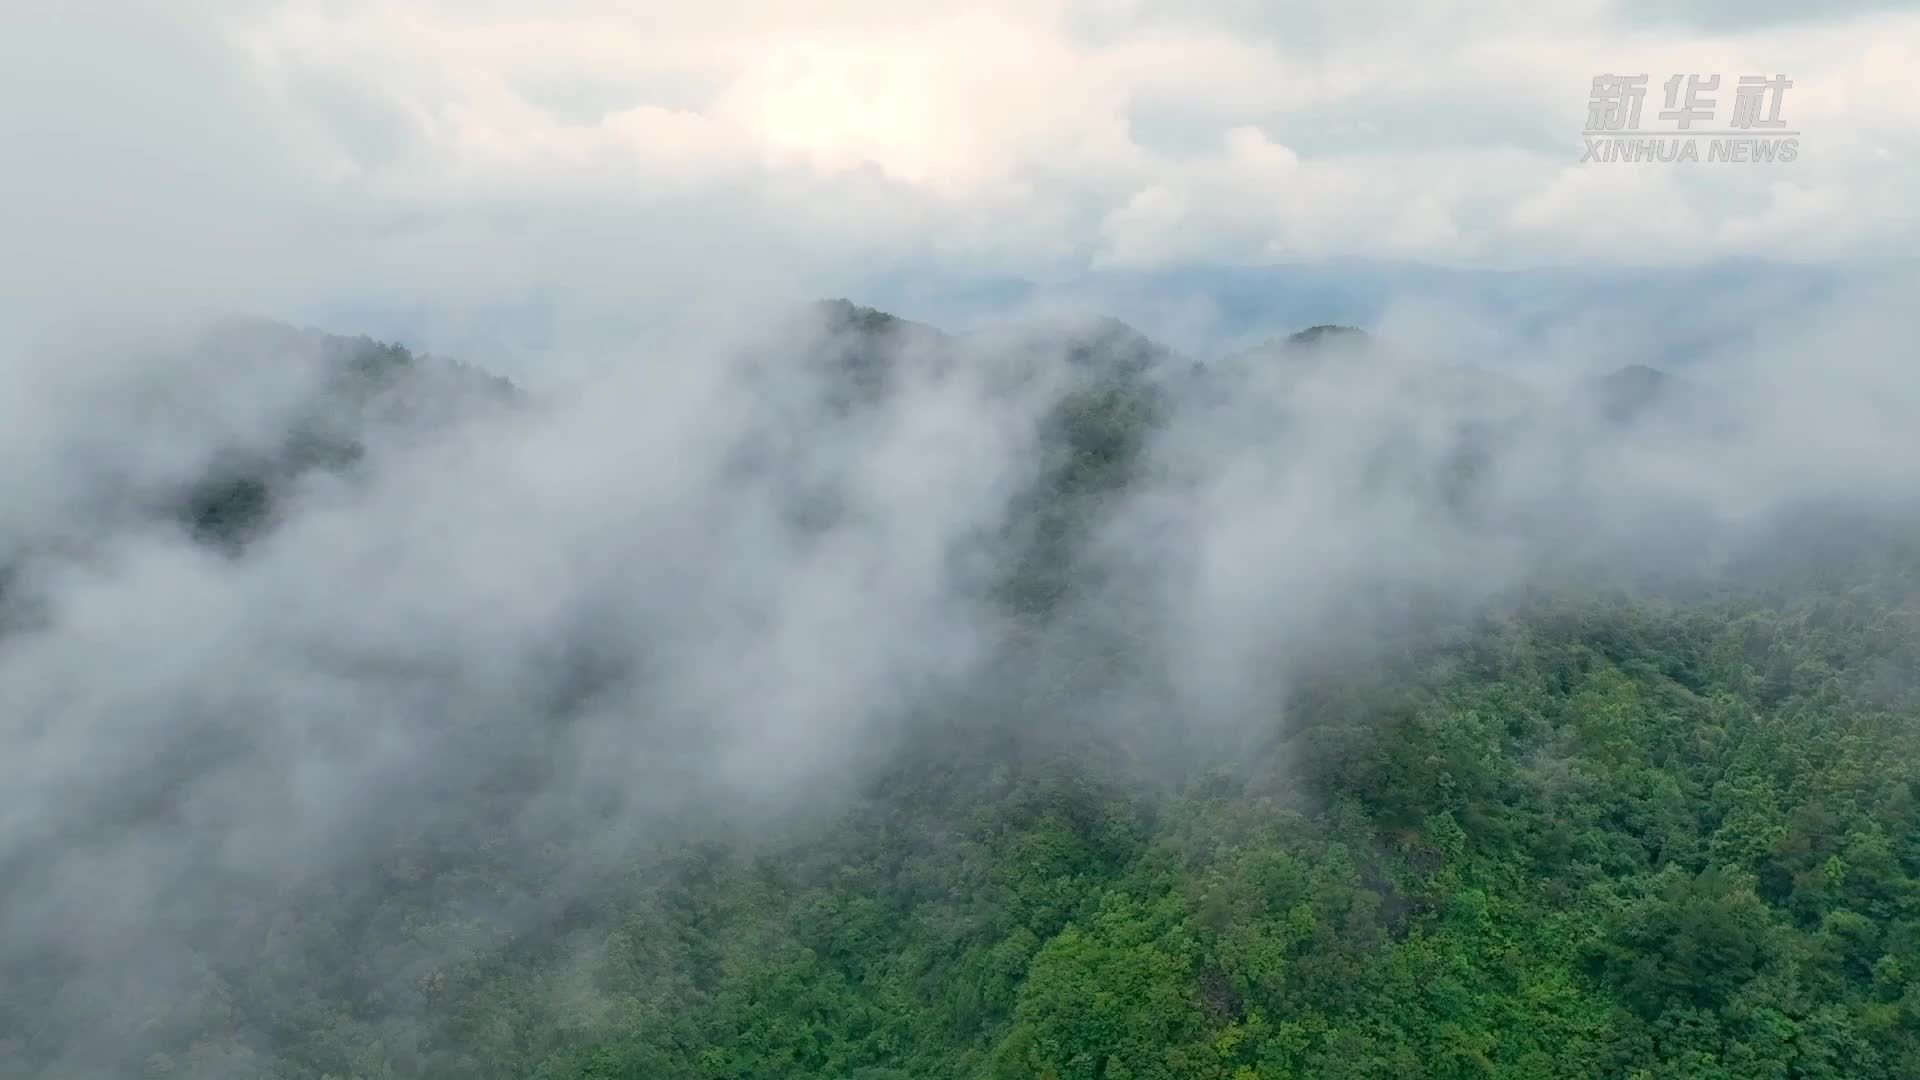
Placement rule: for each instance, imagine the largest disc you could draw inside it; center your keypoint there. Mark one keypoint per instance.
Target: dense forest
(1585, 827)
(1601, 838)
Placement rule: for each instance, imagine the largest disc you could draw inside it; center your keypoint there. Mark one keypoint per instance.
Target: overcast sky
(461, 157)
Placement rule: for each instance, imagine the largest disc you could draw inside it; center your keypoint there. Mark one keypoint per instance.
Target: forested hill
(1307, 713)
(1121, 383)
(351, 384)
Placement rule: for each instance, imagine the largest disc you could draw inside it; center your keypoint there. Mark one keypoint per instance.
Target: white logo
(1754, 132)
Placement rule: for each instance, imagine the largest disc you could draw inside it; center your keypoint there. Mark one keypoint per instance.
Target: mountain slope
(1315, 712)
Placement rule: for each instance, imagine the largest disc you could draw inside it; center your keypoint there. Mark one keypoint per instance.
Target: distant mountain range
(1129, 374)
(1122, 387)
(1656, 315)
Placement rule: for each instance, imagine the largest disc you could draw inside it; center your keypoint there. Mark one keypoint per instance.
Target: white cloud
(270, 153)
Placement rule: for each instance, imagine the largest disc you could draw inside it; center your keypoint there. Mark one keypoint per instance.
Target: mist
(730, 579)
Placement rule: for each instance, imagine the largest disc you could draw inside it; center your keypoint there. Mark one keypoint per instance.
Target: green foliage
(1599, 837)
(1604, 838)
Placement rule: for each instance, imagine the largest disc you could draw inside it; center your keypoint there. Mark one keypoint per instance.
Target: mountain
(1319, 712)
(1211, 309)
(358, 385)
(1325, 334)
(1624, 395)
(1122, 385)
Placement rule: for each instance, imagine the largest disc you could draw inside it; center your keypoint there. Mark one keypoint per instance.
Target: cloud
(702, 584)
(721, 577)
(293, 155)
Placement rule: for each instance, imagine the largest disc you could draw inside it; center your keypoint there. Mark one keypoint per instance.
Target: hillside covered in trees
(1318, 714)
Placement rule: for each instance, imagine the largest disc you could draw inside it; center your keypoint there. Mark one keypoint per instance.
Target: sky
(461, 170)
